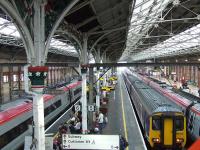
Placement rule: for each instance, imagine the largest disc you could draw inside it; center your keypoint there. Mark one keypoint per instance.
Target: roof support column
(91, 95)
(1, 85)
(10, 81)
(98, 81)
(19, 80)
(84, 60)
(37, 74)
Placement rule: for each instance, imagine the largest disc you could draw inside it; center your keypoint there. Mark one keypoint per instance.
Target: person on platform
(123, 142)
(101, 121)
(199, 92)
(77, 127)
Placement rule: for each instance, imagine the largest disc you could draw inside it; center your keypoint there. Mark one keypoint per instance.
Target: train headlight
(179, 140)
(156, 140)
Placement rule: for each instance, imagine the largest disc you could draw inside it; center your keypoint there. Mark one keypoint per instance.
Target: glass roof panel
(8, 29)
(61, 45)
(144, 16)
(147, 4)
(180, 43)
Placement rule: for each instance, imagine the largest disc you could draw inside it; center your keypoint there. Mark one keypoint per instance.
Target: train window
(78, 98)
(57, 104)
(199, 131)
(190, 124)
(77, 91)
(156, 123)
(52, 107)
(14, 133)
(179, 123)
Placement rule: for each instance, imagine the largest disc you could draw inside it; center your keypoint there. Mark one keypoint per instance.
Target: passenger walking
(123, 142)
(77, 127)
(101, 121)
(105, 120)
(199, 92)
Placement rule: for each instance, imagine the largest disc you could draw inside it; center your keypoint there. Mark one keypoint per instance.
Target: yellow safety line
(55, 135)
(124, 117)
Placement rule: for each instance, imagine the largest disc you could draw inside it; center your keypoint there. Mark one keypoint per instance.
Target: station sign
(91, 108)
(89, 141)
(77, 107)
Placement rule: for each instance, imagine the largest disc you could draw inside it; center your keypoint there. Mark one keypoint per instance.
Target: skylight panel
(147, 4)
(56, 44)
(9, 31)
(179, 43)
(137, 10)
(143, 18)
(15, 34)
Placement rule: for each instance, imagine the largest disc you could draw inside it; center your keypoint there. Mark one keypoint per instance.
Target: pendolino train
(163, 123)
(15, 121)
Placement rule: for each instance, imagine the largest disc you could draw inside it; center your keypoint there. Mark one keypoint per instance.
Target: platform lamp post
(37, 76)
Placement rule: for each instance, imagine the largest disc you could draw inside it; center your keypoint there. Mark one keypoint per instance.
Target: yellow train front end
(167, 130)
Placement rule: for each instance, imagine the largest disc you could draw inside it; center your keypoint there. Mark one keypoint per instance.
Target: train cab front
(167, 132)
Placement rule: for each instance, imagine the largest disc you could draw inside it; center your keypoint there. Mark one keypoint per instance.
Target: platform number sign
(77, 108)
(91, 108)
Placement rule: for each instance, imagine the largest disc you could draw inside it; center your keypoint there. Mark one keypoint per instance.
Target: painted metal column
(198, 77)
(1, 85)
(38, 73)
(62, 74)
(37, 76)
(10, 81)
(19, 79)
(98, 82)
(54, 76)
(51, 75)
(58, 74)
(91, 98)
(84, 60)
(47, 79)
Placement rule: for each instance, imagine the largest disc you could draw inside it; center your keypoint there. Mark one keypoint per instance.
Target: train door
(168, 131)
(191, 122)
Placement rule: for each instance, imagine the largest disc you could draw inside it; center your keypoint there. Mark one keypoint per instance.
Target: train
(15, 122)
(163, 123)
(191, 109)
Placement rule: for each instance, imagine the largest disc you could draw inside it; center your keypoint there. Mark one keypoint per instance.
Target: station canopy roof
(163, 29)
(9, 35)
(131, 30)
(94, 17)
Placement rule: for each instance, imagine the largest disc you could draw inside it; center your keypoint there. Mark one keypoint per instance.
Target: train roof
(178, 99)
(150, 98)
(70, 86)
(166, 108)
(13, 112)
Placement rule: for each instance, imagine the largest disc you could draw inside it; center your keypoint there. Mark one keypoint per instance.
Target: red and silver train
(15, 122)
(190, 109)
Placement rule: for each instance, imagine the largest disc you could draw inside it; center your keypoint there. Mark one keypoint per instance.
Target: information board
(95, 142)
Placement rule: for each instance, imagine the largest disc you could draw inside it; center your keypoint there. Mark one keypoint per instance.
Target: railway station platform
(192, 89)
(122, 119)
